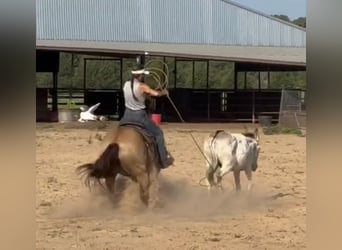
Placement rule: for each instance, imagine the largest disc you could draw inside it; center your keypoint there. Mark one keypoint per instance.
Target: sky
(292, 8)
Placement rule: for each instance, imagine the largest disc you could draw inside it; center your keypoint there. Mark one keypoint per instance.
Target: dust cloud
(179, 199)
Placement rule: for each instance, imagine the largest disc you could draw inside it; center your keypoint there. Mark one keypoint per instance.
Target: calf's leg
(248, 173)
(225, 169)
(237, 180)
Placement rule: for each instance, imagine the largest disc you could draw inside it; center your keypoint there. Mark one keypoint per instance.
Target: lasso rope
(156, 77)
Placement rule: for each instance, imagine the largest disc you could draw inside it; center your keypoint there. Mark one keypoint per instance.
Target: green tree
(301, 21)
(282, 17)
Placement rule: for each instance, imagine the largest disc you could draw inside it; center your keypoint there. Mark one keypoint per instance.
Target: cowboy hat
(140, 71)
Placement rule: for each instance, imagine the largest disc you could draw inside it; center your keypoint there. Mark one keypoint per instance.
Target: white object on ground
(88, 114)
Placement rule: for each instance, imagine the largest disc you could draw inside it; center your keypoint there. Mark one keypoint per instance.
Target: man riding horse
(135, 92)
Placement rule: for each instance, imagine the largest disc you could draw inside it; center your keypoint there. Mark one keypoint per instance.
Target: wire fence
(292, 113)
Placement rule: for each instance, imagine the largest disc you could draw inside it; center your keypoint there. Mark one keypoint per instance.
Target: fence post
(208, 93)
(253, 107)
(290, 107)
(55, 91)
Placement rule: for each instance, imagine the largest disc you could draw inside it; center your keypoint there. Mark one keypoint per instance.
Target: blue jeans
(141, 117)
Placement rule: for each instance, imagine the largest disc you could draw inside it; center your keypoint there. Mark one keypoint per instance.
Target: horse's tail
(103, 166)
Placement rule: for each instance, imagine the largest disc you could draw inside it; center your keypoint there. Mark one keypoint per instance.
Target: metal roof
(263, 14)
(196, 28)
(277, 55)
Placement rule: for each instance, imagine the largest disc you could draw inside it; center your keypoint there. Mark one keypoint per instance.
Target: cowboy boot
(168, 161)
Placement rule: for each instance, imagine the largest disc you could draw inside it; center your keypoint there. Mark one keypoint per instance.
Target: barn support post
(268, 80)
(253, 106)
(193, 74)
(245, 79)
(175, 73)
(84, 78)
(259, 82)
(208, 94)
(164, 68)
(121, 74)
(143, 60)
(235, 78)
(54, 92)
(162, 108)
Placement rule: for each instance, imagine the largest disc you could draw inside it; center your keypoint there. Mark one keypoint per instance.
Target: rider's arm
(146, 89)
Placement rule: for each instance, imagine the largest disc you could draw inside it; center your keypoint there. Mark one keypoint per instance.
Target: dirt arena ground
(68, 216)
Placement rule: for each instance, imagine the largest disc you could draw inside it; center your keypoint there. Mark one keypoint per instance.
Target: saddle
(140, 128)
(147, 136)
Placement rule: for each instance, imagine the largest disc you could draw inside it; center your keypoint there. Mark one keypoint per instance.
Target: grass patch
(92, 125)
(44, 125)
(272, 130)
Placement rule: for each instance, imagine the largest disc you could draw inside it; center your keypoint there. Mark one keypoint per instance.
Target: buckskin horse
(132, 153)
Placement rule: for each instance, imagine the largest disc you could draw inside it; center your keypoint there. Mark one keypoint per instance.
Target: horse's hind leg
(144, 184)
(154, 189)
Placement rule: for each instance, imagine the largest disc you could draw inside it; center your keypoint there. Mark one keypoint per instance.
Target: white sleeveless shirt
(130, 102)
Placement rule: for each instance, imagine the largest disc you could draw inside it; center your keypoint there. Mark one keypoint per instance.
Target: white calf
(226, 152)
